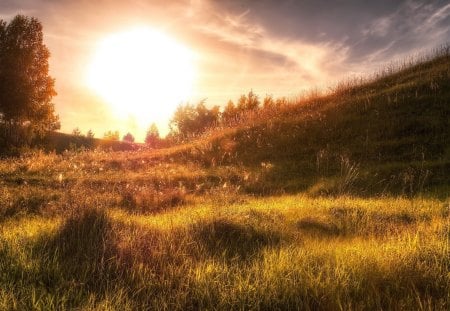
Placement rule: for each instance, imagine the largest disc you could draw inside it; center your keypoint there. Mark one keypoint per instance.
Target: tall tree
(26, 89)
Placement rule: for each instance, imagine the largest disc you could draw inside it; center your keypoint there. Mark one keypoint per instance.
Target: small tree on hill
(152, 138)
(183, 120)
(90, 134)
(90, 139)
(110, 135)
(230, 113)
(268, 102)
(76, 132)
(206, 118)
(190, 120)
(129, 138)
(26, 89)
(249, 102)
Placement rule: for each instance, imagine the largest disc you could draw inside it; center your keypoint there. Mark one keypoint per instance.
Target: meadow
(334, 202)
(101, 231)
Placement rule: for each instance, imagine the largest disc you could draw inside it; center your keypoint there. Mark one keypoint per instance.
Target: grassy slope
(386, 127)
(183, 229)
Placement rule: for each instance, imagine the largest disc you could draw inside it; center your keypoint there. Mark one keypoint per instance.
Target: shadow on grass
(317, 227)
(232, 241)
(78, 260)
(61, 270)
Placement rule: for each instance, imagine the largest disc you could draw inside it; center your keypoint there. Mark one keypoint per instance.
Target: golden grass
(210, 224)
(80, 247)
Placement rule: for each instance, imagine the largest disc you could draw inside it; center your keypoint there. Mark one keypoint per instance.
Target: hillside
(394, 125)
(336, 202)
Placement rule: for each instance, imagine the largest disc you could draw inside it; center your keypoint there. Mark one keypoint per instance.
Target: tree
(230, 113)
(152, 138)
(76, 132)
(90, 142)
(189, 120)
(206, 118)
(183, 120)
(26, 89)
(268, 102)
(129, 138)
(90, 134)
(110, 135)
(281, 103)
(249, 102)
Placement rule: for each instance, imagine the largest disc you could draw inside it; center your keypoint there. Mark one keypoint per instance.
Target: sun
(142, 73)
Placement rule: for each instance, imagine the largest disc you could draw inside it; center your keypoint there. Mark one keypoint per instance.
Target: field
(87, 231)
(334, 202)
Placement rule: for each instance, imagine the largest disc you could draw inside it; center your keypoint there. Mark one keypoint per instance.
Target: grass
(336, 202)
(197, 241)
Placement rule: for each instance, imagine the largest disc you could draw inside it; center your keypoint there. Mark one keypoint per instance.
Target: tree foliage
(249, 102)
(230, 113)
(90, 134)
(152, 138)
(26, 89)
(189, 120)
(110, 135)
(129, 138)
(76, 132)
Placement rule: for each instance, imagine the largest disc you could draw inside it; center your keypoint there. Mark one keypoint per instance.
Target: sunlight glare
(142, 73)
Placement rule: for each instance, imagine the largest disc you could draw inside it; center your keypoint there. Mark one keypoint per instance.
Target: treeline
(152, 138)
(190, 121)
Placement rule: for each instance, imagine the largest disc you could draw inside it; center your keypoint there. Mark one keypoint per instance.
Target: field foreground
(86, 231)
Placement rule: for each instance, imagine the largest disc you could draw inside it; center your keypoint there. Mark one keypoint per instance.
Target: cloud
(415, 27)
(307, 61)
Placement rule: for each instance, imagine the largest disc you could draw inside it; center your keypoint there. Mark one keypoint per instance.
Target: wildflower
(60, 178)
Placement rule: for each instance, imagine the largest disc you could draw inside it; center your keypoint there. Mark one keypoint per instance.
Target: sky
(279, 48)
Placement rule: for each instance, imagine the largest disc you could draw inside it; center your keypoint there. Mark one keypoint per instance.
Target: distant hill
(60, 142)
